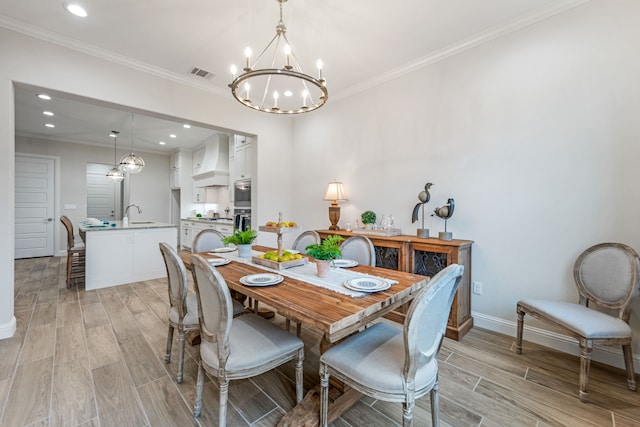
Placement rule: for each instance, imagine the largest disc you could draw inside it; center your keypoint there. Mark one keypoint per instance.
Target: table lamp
(335, 193)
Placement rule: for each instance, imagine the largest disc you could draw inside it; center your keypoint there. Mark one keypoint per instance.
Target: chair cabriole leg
(585, 362)
(199, 387)
(324, 394)
(183, 333)
(224, 395)
(167, 358)
(299, 375)
(628, 362)
(435, 405)
(519, 330)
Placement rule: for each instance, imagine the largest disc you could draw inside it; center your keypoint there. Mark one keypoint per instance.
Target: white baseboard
(605, 354)
(8, 329)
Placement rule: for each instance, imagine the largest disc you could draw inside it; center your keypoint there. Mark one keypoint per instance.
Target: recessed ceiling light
(48, 113)
(75, 9)
(112, 135)
(44, 96)
(50, 125)
(173, 135)
(186, 126)
(162, 143)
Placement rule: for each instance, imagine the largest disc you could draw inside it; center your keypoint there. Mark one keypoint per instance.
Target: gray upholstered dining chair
(207, 240)
(606, 274)
(305, 239)
(393, 364)
(183, 308)
(76, 259)
(236, 348)
(359, 248)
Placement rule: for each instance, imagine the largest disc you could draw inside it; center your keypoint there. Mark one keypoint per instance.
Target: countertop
(207, 220)
(133, 225)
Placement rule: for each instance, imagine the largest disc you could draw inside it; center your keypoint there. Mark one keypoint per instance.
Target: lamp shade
(335, 192)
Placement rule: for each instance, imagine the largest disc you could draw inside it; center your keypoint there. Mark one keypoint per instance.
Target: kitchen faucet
(126, 211)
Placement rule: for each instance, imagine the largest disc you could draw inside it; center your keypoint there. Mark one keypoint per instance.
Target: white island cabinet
(116, 255)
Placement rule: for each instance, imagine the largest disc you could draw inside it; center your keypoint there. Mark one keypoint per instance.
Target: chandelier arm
(276, 37)
(266, 91)
(296, 64)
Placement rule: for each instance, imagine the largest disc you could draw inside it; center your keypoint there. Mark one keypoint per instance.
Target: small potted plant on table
(243, 239)
(368, 219)
(325, 252)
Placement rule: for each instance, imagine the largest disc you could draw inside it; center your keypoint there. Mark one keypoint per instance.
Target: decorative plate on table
(367, 284)
(264, 279)
(224, 249)
(217, 262)
(345, 263)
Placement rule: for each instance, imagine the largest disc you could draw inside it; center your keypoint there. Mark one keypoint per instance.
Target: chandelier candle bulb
(319, 65)
(247, 53)
(304, 98)
(234, 71)
(247, 86)
(287, 52)
(275, 100)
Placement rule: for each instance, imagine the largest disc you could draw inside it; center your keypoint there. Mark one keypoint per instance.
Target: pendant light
(132, 163)
(115, 173)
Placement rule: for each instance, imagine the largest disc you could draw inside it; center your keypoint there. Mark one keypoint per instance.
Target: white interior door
(34, 191)
(103, 194)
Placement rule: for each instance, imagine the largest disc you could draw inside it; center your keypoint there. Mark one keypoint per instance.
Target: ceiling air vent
(201, 73)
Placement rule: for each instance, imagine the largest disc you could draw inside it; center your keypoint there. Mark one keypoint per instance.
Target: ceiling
(361, 43)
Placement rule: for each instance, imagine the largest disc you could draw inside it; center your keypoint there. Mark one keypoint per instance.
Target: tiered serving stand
(274, 264)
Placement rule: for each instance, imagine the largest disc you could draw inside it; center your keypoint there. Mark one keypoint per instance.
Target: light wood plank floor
(96, 358)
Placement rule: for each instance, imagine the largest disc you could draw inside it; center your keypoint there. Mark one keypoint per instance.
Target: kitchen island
(116, 255)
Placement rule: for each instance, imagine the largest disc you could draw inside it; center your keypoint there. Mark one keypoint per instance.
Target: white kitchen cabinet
(243, 157)
(198, 158)
(174, 177)
(225, 229)
(176, 161)
(175, 170)
(186, 234)
(199, 194)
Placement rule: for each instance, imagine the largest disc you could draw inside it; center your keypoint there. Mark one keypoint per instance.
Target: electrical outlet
(477, 288)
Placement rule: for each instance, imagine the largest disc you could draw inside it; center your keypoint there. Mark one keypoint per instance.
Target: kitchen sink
(142, 222)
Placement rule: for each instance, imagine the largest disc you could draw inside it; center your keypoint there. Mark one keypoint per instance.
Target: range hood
(214, 171)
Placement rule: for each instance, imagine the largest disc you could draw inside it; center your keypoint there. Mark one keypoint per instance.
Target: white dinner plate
(265, 279)
(217, 262)
(367, 284)
(345, 263)
(291, 251)
(224, 249)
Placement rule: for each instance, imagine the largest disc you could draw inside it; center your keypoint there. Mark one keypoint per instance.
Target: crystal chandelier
(115, 173)
(132, 163)
(285, 90)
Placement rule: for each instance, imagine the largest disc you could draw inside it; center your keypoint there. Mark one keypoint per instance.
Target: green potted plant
(243, 239)
(325, 252)
(368, 218)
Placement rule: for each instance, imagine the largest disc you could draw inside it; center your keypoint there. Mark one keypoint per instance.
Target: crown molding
(464, 45)
(107, 55)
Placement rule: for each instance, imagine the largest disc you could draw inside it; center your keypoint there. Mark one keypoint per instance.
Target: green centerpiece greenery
(241, 237)
(368, 217)
(327, 250)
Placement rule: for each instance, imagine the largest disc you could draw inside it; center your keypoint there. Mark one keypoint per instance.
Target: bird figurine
(424, 197)
(445, 212)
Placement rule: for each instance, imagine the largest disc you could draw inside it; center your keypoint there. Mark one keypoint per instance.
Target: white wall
(535, 135)
(34, 62)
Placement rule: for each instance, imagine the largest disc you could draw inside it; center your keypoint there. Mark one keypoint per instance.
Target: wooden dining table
(335, 314)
